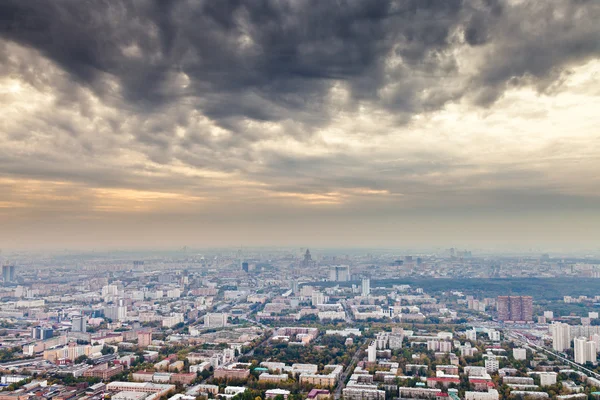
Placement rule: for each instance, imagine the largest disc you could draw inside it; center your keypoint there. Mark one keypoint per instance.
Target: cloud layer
(215, 116)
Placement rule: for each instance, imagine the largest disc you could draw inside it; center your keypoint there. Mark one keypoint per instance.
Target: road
(349, 369)
(526, 342)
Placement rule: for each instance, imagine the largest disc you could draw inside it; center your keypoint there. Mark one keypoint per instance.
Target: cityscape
(299, 199)
(299, 323)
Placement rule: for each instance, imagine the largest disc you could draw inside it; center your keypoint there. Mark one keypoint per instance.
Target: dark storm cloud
(167, 72)
(275, 60)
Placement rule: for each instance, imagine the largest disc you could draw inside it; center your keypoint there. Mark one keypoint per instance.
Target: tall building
(366, 287)
(115, 313)
(294, 286)
(372, 352)
(245, 267)
(41, 333)
(561, 336)
(585, 351)
(79, 324)
(515, 308)
(503, 308)
(308, 262)
(8, 273)
(339, 273)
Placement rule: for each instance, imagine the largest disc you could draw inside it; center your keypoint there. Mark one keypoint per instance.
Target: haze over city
(329, 123)
(299, 199)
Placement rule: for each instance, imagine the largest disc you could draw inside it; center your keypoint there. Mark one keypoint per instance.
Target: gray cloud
(135, 90)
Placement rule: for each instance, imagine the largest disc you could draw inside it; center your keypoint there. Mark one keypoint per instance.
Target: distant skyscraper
(138, 265)
(339, 273)
(366, 287)
(308, 262)
(245, 267)
(294, 287)
(8, 273)
(515, 308)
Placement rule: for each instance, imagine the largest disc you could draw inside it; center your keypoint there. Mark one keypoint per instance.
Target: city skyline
(133, 124)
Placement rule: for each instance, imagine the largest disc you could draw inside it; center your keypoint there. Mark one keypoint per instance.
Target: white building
(489, 395)
(173, 320)
(585, 350)
(317, 298)
(215, 320)
(365, 287)
(491, 364)
(372, 352)
(520, 354)
(471, 334)
(547, 378)
(561, 336)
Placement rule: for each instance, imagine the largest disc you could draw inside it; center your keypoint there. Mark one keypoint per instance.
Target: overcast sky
(309, 123)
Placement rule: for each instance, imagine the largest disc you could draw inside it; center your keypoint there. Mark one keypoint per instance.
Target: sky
(299, 123)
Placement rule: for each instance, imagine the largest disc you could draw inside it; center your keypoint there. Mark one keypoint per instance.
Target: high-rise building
(79, 324)
(308, 262)
(526, 309)
(245, 267)
(372, 352)
(585, 351)
(503, 307)
(339, 273)
(294, 286)
(41, 333)
(515, 308)
(116, 313)
(366, 287)
(8, 273)
(561, 336)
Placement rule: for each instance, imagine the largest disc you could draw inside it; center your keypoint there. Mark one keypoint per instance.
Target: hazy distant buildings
(8, 273)
(515, 308)
(245, 267)
(366, 287)
(308, 262)
(339, 273)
